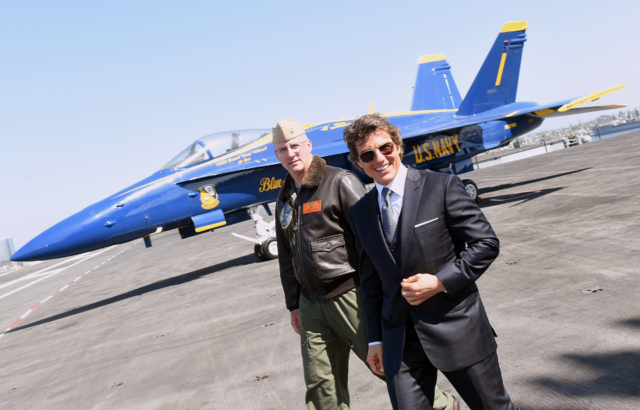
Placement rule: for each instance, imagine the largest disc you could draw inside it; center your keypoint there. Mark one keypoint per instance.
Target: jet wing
(435, 123)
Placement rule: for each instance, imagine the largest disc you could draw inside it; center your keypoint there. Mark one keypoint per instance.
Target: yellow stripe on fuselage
(499, 78)
(261, 141)
(267, 139)
(212, 226)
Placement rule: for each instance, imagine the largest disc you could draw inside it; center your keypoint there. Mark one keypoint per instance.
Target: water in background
(613, 134)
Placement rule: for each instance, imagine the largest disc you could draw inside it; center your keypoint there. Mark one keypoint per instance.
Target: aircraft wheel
(257, 249)
(270, 249)
(471, 188)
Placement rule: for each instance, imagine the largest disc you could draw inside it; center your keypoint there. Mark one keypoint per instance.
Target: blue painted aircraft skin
(217, 178)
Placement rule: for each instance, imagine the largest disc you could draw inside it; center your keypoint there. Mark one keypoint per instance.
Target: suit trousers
(329, 330)
(479, 385)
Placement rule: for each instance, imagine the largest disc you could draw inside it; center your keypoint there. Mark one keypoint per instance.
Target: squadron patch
(286, 216)
(209, 197)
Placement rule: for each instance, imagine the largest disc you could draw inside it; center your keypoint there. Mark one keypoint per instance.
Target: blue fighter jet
(224, 178)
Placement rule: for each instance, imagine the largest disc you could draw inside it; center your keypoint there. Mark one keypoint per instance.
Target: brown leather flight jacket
(316, 246)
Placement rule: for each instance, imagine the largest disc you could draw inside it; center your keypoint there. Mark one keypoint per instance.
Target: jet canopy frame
(213, 146)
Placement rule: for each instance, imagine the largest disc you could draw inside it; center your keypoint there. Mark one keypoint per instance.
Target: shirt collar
(397, 185)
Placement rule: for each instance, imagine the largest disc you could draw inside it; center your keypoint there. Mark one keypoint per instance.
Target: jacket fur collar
(311, 179)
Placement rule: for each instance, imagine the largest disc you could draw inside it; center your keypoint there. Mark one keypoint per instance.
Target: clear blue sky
(98, 95)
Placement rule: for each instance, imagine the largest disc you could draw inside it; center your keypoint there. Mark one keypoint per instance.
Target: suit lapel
(373, 238)
(410, 203)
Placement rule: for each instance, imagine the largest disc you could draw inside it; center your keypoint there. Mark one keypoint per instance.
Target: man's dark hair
(363, 127)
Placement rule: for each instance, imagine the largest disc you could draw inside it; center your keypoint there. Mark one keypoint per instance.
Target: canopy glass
(215, 145)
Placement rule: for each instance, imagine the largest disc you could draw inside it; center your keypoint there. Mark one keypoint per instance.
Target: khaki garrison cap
(287, 129)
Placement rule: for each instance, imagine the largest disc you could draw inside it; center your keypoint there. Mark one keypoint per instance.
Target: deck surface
(189, 324)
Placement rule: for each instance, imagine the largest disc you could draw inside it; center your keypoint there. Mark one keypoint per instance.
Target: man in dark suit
(422, 244)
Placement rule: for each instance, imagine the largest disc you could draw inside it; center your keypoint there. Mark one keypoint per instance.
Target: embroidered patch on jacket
(285, 216)
(309, 207)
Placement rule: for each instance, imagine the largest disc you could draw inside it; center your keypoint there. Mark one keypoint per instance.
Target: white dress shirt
(397, 188)
(397, 194)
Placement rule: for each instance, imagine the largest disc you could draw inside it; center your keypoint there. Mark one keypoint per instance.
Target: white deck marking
(39, 273)
(64, 287)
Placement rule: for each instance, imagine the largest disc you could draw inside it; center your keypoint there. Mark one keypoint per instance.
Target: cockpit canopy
(214, 145)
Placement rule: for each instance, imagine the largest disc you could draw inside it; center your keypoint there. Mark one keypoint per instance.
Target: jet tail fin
(435, 88)
(497, 81)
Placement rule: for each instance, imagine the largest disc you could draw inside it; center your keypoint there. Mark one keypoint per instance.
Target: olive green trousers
(329, 330)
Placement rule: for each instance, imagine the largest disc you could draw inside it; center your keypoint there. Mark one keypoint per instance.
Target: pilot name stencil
(268, 184)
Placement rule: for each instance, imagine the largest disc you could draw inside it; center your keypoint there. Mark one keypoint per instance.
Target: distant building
(6, 248)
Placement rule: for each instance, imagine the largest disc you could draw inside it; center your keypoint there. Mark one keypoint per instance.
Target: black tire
(471, 188)
(257, 249)
(270, 249)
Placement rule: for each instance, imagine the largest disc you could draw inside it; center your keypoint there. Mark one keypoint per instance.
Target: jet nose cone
(79, 233)
(26, 253)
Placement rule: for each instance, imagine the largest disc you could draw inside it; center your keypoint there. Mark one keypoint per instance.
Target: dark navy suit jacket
(442, 232)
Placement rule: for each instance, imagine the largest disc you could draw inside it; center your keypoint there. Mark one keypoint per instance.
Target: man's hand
(374, 358)
(419, 288)
(295, 320)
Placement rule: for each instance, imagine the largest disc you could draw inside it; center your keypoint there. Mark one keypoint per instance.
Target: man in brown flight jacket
(318, 267)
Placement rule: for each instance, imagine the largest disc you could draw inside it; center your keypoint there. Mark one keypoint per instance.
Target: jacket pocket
(330, 257)
(429, 226)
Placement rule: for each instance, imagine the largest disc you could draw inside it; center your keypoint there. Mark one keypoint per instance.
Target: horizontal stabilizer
(497, 81)
(589, 98)
(435, 88)
(569, 107)
(550, 113)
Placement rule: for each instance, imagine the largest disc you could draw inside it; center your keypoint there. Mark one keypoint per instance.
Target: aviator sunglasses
(368, 155)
